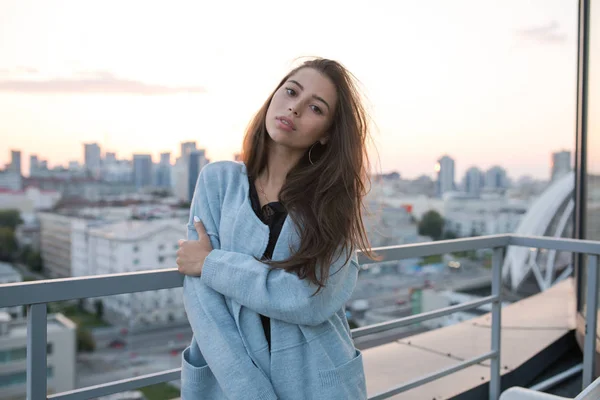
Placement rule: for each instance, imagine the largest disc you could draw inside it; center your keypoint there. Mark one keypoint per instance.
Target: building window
(49, 348)
(136, 262)
(13, 355)
(136, 249)
(161, 259)
(14, 378)
(161, 247)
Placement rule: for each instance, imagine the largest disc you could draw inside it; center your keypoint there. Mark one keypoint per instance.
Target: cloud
(21, 70)
(547, 34)
(89, 82)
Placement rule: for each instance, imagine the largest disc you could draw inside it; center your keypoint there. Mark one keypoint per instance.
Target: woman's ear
(324, 140)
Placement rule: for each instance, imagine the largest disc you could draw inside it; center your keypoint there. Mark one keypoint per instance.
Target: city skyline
(105, 158)
(65, 79)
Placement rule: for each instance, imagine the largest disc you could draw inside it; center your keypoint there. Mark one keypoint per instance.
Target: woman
(270, 258)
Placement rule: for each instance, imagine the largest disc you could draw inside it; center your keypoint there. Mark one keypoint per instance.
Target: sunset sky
(484, 81)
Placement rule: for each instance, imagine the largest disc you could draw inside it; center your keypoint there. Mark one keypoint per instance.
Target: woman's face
(302, 110)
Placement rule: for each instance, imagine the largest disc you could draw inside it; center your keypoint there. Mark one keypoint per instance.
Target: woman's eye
(291, 92)
(316, 109)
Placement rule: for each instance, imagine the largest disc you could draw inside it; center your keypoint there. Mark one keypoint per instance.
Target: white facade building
(127, 247)
(11, 180)
(29, 200)
(561, 164)
(118, 171)
(488, 215)
(8, 274)
(179, 179)
(393, 194)
(55, 244)
(445, 175)
(496, 179)
(61, 350)
(473, 182)
(59, 237)
(93, 158)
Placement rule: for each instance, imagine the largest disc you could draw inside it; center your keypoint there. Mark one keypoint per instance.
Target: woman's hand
(191, 253)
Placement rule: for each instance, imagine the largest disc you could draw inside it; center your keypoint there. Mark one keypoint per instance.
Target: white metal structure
(549, 216)
(592, 392)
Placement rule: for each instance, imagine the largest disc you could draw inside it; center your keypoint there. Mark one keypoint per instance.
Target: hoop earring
(309, 153)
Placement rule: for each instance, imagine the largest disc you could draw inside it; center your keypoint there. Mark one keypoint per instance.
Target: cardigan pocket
(196, 382)
(345, 382)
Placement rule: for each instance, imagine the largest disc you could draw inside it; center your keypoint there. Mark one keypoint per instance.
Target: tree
(24, 254)
(432, 224)
(31, 258)
(99, 308)
(34, 261)
(448, 235)
(8, 243)
(10, 219)
(85, 340)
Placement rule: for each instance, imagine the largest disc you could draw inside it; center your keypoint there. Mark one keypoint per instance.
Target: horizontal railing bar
(47, 291)
(558, 378)
(118, 386)
(385, 326)
(434, 376)
(562, 244)
(401, 252)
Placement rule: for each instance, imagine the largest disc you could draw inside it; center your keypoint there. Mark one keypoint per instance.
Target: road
(148, 342)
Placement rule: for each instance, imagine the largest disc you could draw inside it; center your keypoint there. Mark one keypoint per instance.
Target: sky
(487, 82)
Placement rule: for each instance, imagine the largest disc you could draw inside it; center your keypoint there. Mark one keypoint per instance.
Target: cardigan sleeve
(276, 293)
(212, 324)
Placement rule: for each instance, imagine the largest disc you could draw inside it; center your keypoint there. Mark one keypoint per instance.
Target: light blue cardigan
(312, 353)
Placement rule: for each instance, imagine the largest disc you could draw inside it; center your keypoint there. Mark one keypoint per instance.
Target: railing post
(496, 322)
(591, 319)
(36, 351)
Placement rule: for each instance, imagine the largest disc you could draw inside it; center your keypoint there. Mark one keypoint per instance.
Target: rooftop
(134, 230)
(17, 328)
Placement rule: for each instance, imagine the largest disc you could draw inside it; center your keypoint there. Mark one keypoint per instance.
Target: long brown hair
(323, 199)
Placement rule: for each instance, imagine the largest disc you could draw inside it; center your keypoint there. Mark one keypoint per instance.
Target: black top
(273, 215)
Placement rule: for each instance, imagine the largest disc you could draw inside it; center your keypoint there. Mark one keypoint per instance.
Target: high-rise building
(474, 181)
(110, 158)
(445, 175)
(197, 161)
(142, 170)
(163, 171)
(496, 179)
(165, 158)
(33, 165)
(93, 158)
(561, 164)
(15, 161)
(187, 148)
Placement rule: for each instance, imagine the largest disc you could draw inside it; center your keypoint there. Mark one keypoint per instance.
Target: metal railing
(37, 294)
